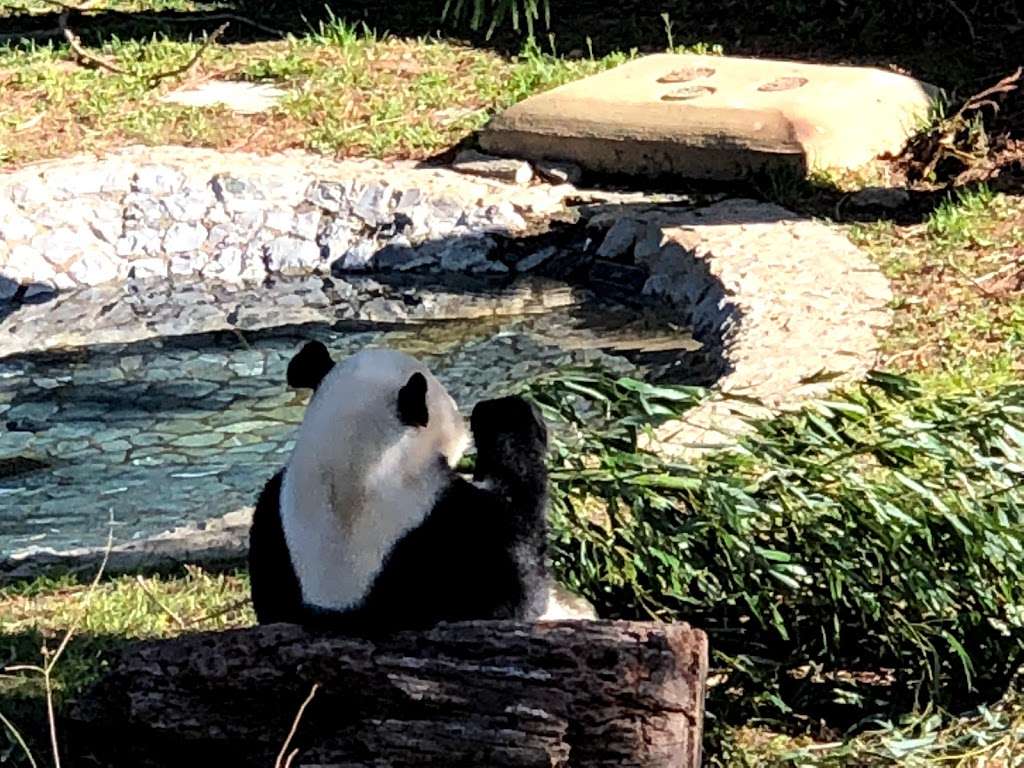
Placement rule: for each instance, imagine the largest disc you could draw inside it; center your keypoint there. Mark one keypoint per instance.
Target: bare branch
(210, 40)
(281, 762)
(76, 46)
(158, 602)
(51, 661)
(16, 735)
(240, 603)
(967, 19)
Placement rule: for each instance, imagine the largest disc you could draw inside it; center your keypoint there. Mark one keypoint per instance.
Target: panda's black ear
(412, 401)
(309, 366)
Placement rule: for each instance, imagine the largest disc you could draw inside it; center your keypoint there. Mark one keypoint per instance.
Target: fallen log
(494, 694)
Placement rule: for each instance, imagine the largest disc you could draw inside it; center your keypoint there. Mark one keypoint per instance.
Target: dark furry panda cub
(369, 529)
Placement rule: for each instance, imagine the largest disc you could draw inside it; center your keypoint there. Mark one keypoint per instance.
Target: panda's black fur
(479, 553)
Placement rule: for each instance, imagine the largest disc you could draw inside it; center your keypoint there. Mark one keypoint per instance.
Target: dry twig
(210, 40)
(234, 606)
(159, 603)
(16, 735)
(80, 52)
(963, 15)
(282, 761)
(953, 136)
(51, 659)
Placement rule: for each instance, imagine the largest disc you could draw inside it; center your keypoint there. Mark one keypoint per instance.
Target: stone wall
(238, 217)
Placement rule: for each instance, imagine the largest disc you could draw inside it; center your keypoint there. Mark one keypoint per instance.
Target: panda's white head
(371, 456)
(372, 403)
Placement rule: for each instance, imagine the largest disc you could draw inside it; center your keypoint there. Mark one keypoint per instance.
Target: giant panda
(369, 528)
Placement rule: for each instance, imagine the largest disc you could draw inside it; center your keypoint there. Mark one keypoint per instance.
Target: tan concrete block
(715, 117)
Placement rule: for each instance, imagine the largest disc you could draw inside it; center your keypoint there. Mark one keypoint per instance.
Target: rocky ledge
(238, 217)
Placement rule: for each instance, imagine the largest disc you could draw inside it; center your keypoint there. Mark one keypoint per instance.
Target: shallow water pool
(165, 431)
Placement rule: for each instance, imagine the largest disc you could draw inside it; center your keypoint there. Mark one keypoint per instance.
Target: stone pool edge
(796, 308)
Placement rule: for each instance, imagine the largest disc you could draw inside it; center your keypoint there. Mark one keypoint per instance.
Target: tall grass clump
(879, 532)
(521, 15)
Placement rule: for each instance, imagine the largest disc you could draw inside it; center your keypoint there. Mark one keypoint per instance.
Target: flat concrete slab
(715, 117)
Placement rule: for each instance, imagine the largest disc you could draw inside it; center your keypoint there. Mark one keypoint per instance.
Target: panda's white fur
(563, 604)
(357, 481)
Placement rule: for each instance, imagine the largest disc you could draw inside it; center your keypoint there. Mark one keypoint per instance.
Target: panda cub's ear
(412, 401)
(309, 366)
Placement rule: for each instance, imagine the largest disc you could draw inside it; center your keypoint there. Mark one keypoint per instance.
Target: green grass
(348, 91)
(987, 736)
(959, 315)
(35, 616)
(118, 610)
(961, 218)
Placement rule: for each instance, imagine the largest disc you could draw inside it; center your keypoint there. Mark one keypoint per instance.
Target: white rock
(358, 257)
(28, 266)
(14, 226)
(188, 206)
(220, 234)
(239, 195)
(84, 180)
(307, 224)
(105, 219)
(182, 237)
(501, 217)
(143, 209)
(238, 96)
(93, 267)
(184, 264)
(329, 195)
(139, 242)
(408, 199)
(280, 220)
(158, 180)
(373, 204)
(62, 245)
(245, 224)
(228, 264)
(292, 255)
(145, 268)
(30, 195)
(253, 269)
(504, 169)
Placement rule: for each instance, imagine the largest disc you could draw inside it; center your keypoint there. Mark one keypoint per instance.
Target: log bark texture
(488, 694)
